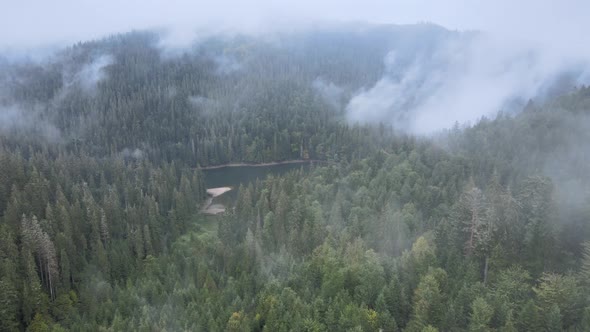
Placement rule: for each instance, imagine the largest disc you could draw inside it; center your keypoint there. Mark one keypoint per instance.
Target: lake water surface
(243, 175)
(234, 176)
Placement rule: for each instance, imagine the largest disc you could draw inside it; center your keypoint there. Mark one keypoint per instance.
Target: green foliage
(585, 322)
(529, 318)
(509, 326)
(237, 323)
(61, 307)
(9, 306)
(563, 292)
(427, 303)
(387, 232)
(554, 320)
(481, 315)
(38, 324)
(585, 268)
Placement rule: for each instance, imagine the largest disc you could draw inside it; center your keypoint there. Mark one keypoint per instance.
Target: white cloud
(329, 91)
(93, 72)
(530, 41)
(14, 119)
(463, 80)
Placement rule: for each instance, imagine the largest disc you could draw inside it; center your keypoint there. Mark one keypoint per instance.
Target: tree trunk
(50, 283)
(472, 233)
(41, 272)
(485, 271)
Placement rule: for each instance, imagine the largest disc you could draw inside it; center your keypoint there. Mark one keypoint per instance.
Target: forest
(479, 227)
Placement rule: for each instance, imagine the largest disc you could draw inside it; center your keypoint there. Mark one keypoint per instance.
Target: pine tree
(584, 324)
(38, 324)
(469, 215)
(41, 245)
(427, 304)
(528, 318)
(536, 208)
(66, 271)
(563, 291)
(585, 268)
(509, 326)
(481, 315)
(554, 320)
(9, 305)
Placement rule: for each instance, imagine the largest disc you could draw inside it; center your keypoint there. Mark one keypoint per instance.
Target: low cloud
(462, 80)
(93, 72)
(205, 106)
(136, 154)
(15, 120)
(200, 101)
(89, 75)
(330, 92)
(226, 64)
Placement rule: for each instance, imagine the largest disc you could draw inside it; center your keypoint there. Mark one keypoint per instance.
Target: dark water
(234, 176)
(243, 175)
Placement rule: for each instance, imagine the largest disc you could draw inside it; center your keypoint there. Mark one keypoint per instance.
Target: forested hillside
(482, 227)
(227, 99)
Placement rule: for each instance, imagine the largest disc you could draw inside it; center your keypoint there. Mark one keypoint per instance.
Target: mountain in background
(450, 192)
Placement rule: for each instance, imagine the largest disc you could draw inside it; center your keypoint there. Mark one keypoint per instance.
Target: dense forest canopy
(479, 227)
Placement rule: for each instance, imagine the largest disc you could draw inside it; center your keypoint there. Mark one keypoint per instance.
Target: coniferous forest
(479, 227)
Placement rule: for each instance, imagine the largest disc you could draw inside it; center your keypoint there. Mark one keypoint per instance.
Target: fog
(32, 23)
(330, 92)
(463, 80)
(520, 50)
(93, 72)
(15, 120)
(32, 119)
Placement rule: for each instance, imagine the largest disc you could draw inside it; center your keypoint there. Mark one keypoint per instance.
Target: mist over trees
(480, 227)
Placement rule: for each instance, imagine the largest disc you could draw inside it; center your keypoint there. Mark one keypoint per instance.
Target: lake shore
(273, 163)
(214, 209)
(211, 208)
(214, 192)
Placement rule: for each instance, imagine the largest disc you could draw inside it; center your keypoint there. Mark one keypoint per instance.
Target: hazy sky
(33, 23)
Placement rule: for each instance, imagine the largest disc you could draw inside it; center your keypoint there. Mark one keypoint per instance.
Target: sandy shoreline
(209, 207)
(214, 209)
(214, 192)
